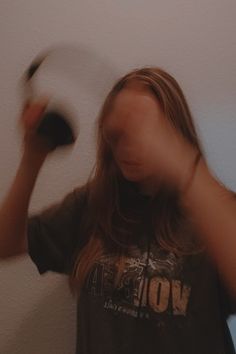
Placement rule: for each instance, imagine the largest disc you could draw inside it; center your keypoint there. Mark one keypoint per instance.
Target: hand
(29, 121)
(171, 154)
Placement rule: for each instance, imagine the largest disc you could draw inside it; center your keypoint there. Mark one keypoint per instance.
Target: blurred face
(133, 117)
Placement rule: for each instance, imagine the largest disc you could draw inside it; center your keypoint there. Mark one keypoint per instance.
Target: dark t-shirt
(163, 303)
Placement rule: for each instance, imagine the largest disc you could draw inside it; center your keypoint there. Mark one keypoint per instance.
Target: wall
(193, 40)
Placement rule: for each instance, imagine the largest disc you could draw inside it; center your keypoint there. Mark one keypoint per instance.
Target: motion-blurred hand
(29, 121)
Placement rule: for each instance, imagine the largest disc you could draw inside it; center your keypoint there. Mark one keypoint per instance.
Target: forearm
(14, 208)
(212, 209)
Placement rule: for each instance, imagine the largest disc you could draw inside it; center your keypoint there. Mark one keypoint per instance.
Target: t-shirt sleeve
(53, 233)
(228, 302)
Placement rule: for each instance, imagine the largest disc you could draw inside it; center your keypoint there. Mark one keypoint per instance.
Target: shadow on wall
(52, 315)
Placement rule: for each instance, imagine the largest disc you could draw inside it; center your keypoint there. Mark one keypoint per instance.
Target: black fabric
(228, 307)
(183, 308)
(180, 310)
(228, 302)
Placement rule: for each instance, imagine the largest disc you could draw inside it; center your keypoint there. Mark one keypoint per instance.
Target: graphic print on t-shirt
(160, 291)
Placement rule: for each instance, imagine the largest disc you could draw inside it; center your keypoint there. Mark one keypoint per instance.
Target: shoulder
(80, 195)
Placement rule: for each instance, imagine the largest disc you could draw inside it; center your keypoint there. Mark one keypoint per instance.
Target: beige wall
(193, 40)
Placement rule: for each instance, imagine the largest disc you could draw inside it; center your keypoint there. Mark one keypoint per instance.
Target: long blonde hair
(103, 194)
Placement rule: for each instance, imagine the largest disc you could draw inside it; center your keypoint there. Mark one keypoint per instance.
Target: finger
(33, 111)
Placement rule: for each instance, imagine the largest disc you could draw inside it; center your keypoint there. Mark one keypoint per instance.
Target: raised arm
(14, 207)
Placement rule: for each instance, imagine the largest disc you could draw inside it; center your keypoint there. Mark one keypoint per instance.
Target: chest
(154, 282)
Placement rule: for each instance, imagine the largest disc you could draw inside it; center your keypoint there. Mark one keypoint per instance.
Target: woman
(149, 241)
